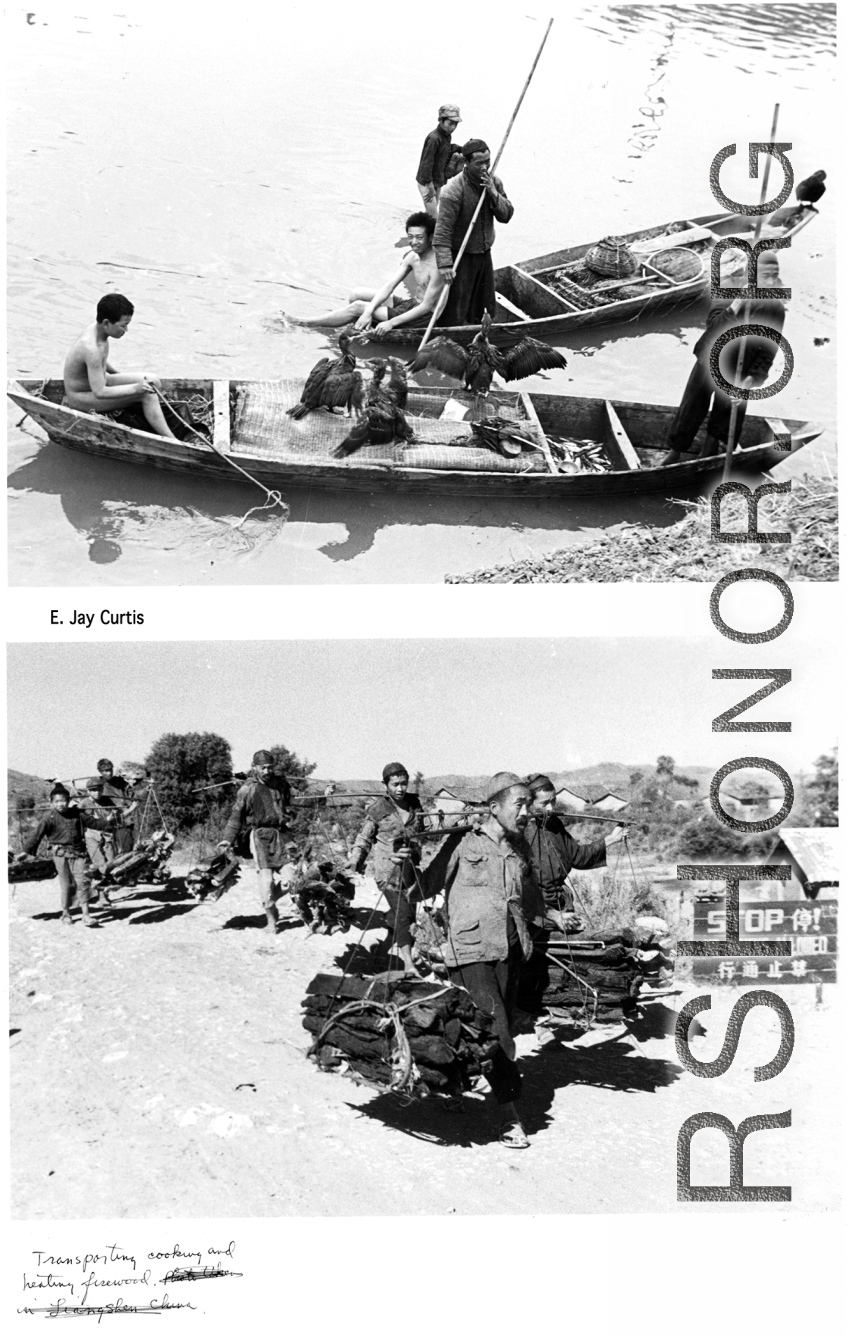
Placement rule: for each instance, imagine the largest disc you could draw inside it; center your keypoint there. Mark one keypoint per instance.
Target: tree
(417, 782)
(295, 770)
(665, 766)
(180, 763)
(823, 790)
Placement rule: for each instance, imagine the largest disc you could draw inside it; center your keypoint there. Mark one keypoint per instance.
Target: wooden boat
(555, 293)
(248, 424)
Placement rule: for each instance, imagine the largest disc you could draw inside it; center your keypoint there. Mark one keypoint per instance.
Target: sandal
(514, 1137)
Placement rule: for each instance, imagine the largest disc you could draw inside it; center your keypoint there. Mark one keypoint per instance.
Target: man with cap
(437, 152)
(756, 360)
(64, 827)
(472, 287)
(490, 900)
(112, 793)
(553, 855)
(389, 830)
(261, 807)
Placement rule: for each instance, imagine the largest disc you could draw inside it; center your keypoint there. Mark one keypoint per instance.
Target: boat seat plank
(692, 233)
(532, 416)
(618, 445)
(223, 433)
(781, 433)
(511, 308)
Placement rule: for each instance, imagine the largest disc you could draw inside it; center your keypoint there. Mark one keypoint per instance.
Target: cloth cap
(104, 764)
(449, 111)
(474, 146)
(540, 783)
(500, 782)
(57, 789)
(395, 768)
(94, 785)
(262, 758)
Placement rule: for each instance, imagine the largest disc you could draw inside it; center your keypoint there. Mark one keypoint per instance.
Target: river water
(220, 164)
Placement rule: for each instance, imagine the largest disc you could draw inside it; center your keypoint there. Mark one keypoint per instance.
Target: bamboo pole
(757, 231)
(442, 300)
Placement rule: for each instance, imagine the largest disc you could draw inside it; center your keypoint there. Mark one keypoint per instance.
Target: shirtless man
(418, 270)
(91, 382)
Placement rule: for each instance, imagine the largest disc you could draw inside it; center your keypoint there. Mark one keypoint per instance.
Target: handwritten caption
(114, 1281)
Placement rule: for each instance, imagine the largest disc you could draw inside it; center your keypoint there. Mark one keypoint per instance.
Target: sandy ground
(158, 1069)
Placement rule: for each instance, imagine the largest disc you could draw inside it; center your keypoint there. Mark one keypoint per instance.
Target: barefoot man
(91, 382)
(418, 270)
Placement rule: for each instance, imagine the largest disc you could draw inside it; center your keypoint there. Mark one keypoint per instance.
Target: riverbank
(687, 550)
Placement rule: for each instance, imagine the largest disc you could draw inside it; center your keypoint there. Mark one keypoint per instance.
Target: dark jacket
(65, 831)
(458, 201)
(435, 158)
(486, 884)
(554, 853)
(759, 353)
(259, 806)
(387, 825)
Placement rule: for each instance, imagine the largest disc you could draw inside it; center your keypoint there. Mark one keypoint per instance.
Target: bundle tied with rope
(399, 1034)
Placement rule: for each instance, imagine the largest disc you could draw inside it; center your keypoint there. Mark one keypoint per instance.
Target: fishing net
(261, 426)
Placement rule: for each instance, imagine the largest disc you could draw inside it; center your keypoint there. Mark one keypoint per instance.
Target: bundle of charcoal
(30, 869)
(146, 864)
(603, 984)
(210, 879)
(399, 1033)
(324, 895)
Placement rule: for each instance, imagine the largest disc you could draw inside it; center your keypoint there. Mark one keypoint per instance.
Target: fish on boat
(555, 293)
(571, 445)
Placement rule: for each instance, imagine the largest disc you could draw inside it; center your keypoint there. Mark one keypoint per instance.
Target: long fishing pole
(757, 230)
(442, 300)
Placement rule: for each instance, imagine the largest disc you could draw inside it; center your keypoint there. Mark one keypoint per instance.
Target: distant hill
(610, 776)
(27, 786)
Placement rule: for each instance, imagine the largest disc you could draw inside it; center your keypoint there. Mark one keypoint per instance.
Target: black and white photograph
(382, 950)
(380, 307)
(395, 950)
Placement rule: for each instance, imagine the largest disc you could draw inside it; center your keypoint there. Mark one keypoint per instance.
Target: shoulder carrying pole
(442, 300)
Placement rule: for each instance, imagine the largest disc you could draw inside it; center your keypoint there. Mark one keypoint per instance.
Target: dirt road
(159, 1070)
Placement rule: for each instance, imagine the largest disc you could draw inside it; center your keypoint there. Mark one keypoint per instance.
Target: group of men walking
(503, 882)
(81, 833)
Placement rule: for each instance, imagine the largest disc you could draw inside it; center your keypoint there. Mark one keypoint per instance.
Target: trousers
(493, 986)
(472, 291)
(73, 878)
(694, 406)
(402, 915)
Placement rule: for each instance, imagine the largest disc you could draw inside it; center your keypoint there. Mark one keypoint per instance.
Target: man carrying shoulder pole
(490, 897)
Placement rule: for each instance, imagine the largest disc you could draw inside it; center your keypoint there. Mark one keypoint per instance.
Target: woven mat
(261, 425)
(473, 460)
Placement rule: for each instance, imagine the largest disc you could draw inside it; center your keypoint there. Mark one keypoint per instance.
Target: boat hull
(522, 284)
(646, 424)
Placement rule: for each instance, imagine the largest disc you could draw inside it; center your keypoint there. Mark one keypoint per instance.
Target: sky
(465, 706)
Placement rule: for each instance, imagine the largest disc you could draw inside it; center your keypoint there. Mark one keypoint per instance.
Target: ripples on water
(218, 174)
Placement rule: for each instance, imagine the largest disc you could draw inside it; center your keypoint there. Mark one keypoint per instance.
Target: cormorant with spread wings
(476, 364)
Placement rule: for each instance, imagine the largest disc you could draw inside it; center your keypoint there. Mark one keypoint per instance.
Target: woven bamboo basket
(612, 258)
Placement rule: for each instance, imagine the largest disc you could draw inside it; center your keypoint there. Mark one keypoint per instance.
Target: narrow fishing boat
(555, 293)
(551, 444)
